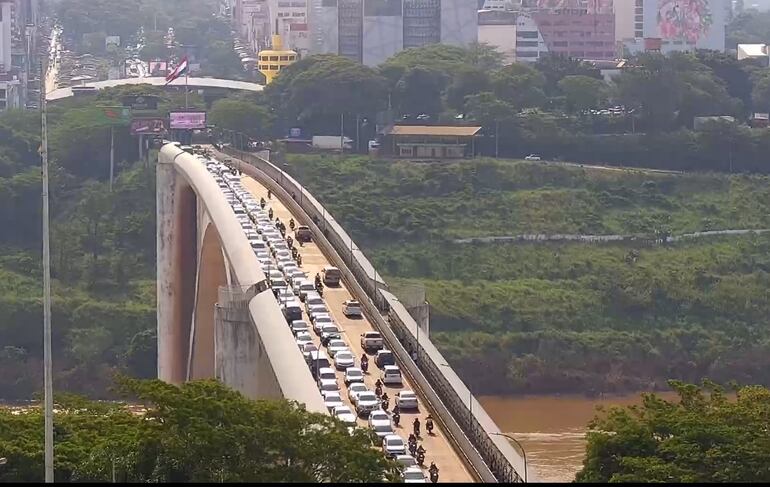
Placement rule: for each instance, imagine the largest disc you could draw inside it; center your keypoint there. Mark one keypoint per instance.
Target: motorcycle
(269, 194)
(365, 366)
(433, 473)
(291, 224)
(289, 240)
(262, 203)
(421, 455)
(416, 426)
(385, 404)
(378, 391)
(396, 418)
(299, 260)
(412, 447)
(270, 213)
(429, 426)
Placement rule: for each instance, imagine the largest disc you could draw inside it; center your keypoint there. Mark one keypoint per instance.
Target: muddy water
(552, 428)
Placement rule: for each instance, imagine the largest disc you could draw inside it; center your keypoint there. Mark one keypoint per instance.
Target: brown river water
(552, 428)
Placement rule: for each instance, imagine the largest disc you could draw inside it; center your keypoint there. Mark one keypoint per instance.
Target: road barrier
(492, 456)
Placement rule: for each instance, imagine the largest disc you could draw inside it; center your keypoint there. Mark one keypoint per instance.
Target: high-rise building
(370, 31)
(18, 23)
(675, 25)
(497, 28)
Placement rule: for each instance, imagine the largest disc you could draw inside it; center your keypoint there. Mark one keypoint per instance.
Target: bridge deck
(438, 448)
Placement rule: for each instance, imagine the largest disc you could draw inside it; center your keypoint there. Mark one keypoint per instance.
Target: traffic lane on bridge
(437, 448)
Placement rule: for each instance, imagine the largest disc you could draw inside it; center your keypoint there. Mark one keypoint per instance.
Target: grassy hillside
(567, 316)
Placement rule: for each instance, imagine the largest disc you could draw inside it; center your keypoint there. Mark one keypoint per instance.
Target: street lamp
(523, 452)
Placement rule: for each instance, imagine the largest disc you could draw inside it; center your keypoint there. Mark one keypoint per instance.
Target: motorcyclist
(416, 425)
(269, 194)
(429, 424)
(291, 223)
(385, 404)
(433, 469)
(396, 417)
(385, 396)
(262, 203)
(299, 260)
(289, 240)
(378, 390)
(420, 455)
(270, 213)
(396, 409)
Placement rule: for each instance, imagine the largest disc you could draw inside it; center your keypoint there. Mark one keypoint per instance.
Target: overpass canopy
(60, 93)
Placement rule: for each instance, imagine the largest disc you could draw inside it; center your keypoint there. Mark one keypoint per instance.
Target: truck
(331, 142)
(371, 340)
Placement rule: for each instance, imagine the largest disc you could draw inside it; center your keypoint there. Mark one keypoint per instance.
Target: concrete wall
(261, 362)
(492, 456)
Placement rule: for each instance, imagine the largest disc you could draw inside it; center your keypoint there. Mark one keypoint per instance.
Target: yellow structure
(272, 61)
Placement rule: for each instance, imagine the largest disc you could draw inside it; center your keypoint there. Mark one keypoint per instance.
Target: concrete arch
(201, 246)
(211, 274)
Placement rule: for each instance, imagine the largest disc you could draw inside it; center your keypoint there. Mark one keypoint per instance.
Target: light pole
(47, 367)
(523, 451)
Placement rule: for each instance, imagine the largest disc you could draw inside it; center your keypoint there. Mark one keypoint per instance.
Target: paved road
(542, 237)
(438, 448)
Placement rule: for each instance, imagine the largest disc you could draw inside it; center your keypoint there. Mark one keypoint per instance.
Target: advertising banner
(187, 120)
(158, 68)
(143, 126)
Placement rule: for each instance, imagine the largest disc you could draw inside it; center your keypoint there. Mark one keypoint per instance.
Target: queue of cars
(297, 295)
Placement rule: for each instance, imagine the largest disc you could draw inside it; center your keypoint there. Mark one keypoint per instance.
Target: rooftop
(437, 130)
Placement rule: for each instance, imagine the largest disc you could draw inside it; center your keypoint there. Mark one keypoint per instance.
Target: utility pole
(342, 133)
(112, 155)
(47, 368)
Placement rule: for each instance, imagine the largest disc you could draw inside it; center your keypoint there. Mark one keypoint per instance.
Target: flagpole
(186, 105)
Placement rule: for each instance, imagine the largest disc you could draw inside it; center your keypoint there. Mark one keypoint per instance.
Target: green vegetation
(102, 253)
(704, 437)
(199, 432)
(566, 317)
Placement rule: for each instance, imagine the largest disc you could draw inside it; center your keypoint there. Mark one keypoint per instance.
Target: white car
(378, 416)
(353, 374)
(352, 308)
(366, 402)
(355, 389)
(393, 445)
(344, 359)
(313, 299)
(332, 400)
(414, 475)
(344, 414)
(298, 326)
(330, 330)
(406, 460)
(335, 346)
(406, 400)
(532, 157)
(328, 385)
(304, 336)
(391, 374)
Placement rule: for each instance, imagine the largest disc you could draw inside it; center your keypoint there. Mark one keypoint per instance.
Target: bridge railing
(477, 427)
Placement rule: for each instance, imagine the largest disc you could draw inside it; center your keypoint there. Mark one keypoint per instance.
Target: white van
(391, 374)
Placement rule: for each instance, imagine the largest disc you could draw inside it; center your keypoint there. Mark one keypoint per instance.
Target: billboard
(682, 23)
(142, 126)
(158, 68)
(187, 120)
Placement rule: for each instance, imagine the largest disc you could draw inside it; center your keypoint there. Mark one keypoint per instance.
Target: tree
(760, 94)
(465, 82)
(419, 91)
(316, 90)
(700, 438)
(520, 85)
(583, 92)
(199, 432)
(556, 67)
(241, 115)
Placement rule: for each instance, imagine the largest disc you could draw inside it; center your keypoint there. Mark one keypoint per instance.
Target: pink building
(578, 32)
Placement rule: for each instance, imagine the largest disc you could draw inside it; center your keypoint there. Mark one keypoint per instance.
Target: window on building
(526, 34)
(273, 58)
(526, 53)
(526, 44)
(560, 44)
(638, 33)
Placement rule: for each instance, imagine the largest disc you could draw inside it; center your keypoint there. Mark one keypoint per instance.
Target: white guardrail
(471, 429)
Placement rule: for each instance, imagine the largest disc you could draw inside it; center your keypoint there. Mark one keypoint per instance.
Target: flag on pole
(179, 71)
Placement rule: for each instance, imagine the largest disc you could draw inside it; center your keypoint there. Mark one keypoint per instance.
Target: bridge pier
(176, 249)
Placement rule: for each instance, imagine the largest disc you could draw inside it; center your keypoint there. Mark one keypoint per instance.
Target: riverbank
(552, 429)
